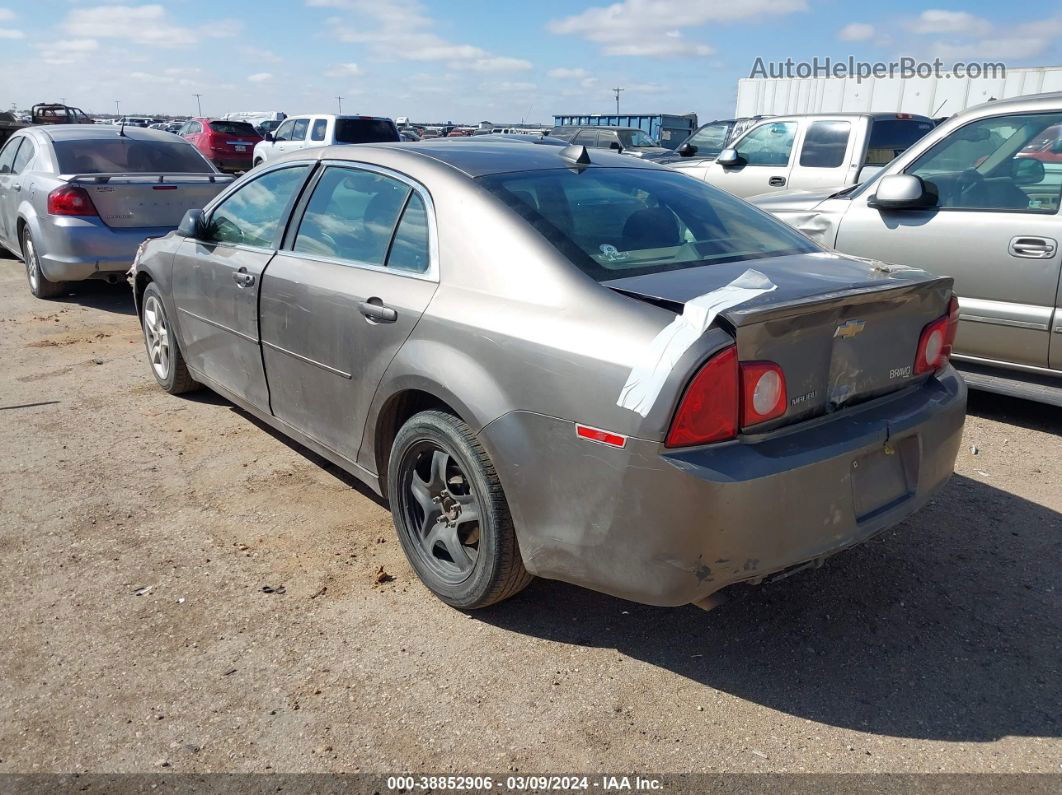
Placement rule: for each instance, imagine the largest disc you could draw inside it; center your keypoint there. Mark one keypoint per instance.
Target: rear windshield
(617, 222)
(891, 137)
(128, 156)
(365, 131)
(232, 128)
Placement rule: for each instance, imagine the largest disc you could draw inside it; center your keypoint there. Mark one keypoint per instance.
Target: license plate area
(240, 147)
(885, 478)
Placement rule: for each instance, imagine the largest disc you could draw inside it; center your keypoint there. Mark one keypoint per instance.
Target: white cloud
(66, 51)
(259, 54)
(647, 27)
(402, 29)
(6, 14)
(937, 20)
(260, 77)
(344, 70)
(564, 73)
(972, 38)
(147, 24)
(856, 31)
(11, 33)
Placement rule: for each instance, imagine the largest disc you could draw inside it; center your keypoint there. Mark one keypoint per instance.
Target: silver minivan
(977, 199)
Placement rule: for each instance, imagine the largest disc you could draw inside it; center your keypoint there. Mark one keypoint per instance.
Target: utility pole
(340, 100)
(199, 103)
(617, 91)
(117, 110)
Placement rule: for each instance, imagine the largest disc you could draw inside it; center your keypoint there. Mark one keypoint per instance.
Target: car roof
(1030, 102)
(89, 132)
(475, 158)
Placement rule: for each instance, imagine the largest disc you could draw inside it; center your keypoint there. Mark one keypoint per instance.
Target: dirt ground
(182, 589)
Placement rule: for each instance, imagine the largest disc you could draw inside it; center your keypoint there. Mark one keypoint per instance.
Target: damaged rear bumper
(671, 527)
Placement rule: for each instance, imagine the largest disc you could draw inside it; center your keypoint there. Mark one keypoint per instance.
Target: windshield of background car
(365, 131)
(617, 222)
(635, 138)
(890, 138)
(128, 156)
(232, 128)
(710, 139)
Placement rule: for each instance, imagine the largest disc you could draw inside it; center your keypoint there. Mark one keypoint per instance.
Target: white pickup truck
(301, 132)
(803, 152)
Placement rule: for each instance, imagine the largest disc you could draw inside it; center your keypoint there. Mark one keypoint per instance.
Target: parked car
(626, 140)
(575, 409)
(300, 132)
(970, 200)
(408, 135)
(135, 121)
(267, 126)
(707, 141)
(515, 138)
(76, 200)
(229, 145)
(808, 151)
(57, 113)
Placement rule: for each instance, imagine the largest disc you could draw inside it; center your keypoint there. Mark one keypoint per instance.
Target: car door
(300, 129)
(352, 281)
(995, 228)
(826, 154)
(216, 280)
(281, 138)
(9, 197)
(765, 155)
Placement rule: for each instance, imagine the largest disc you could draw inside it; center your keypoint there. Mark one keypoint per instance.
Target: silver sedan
(563, 363)
(77, 199)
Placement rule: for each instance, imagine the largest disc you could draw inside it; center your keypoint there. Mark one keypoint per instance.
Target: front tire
(39, 284)
(451, 514)
(164, 353)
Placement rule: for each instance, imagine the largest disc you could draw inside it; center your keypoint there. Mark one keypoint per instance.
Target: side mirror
(903, 192)
(729, 157)
(687, 150)
(615, 145)
(269, 137)
(192, 225)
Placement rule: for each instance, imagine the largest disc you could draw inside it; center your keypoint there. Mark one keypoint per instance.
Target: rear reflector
(762, 392)
(600, 436)
(70, 200)
(708, 411)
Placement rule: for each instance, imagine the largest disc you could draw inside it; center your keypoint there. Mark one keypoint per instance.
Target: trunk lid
(148, 200)
(843, 330)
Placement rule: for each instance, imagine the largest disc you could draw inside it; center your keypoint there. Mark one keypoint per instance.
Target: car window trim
(15, 146)
(431, 274)
(282, 228)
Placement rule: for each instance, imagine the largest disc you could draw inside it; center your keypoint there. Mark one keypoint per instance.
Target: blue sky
(469, 60)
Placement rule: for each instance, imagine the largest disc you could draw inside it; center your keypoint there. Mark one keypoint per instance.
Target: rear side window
(409, 251)
(365, 131)
(128, 156)
(318, 131)
(351, 216)
(232, 128)
(25, 154)
(891, 137)
(252, 216)
(825, 143)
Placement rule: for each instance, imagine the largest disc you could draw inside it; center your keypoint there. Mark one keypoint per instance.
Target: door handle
(243, 278)
(1032, 247)
(776, 182)
(375, 311)
(17, 186)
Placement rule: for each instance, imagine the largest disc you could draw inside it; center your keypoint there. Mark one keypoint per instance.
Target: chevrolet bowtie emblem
(849, 329)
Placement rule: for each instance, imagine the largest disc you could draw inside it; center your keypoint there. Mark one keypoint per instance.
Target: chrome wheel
(157, 335)
(33, 265)
(441, 511)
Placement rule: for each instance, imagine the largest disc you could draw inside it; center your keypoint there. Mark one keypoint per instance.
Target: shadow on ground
(116, 298)
(947, 628)
(1015, 411)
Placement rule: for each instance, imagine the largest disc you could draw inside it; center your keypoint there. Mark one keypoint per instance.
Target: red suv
(229, 145)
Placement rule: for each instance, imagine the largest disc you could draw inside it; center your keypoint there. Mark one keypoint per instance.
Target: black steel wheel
(451, 515)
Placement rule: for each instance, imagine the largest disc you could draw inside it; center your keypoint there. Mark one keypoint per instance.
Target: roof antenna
(577, 154)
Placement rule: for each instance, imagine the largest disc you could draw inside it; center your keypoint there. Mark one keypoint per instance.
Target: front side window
(284, 131)
(710, 139)
(298, 131)
(254, 214)
(825, 143)
(618, 222)
(7, 155)
(25, 154)
(318, 132)
(768, 145)
(351, 216)
(987, 165)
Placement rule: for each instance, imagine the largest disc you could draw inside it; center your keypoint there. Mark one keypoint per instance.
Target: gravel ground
(139, 533)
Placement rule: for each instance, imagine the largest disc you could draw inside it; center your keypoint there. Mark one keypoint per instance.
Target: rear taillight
(762, 392)
(708, 411)
(934, 346)
(70, 200)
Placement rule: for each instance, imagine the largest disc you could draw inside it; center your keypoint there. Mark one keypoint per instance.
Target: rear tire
(451, 514)
(39, 284)
(164, 353)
